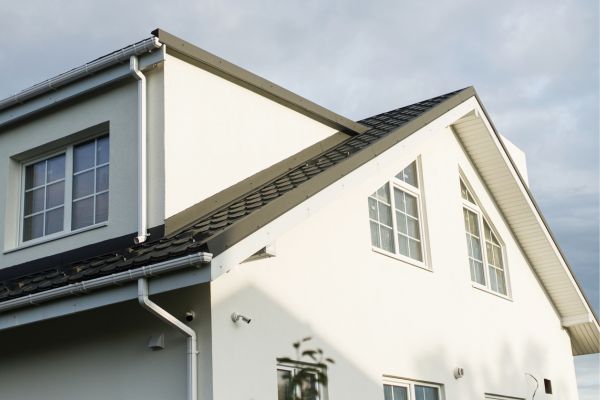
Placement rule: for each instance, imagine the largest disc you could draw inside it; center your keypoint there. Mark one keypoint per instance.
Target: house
(173, 226)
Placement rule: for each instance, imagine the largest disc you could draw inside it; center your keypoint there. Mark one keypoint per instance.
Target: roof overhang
(484, 146)
(218, 66)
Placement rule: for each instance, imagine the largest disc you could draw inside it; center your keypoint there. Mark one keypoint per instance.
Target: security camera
(235, 317)
(189, 316)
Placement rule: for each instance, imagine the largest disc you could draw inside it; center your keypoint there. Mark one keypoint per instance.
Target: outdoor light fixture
(459, 372)
(235, 317)
(157, 342)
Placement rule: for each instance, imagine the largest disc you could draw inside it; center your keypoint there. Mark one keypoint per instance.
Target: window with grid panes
(395, 218)
(67, 191)
(409, 390)
(486, 267)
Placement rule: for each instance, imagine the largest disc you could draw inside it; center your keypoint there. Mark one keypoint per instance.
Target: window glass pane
(501, 282)
(403, 244)
(373, 209)
(102, 207)
(35, 175)
(284, 378)
(383, 193)
(387, 239)
(102, 150)
(477, 275)
(409, 175)
(400, 393)
(399, 200)
(83, 213)
(34, 201)
(387, 392)
(415, 249)
(102, 179)
(83, 184)
(476, 248)
(426, 393)
(54, 220)
(33, 227)
(498, 257)
(401, 222)
(413, 228)
(83, 156)
(55, 194)
(56, 168)
(411, 205)
(385, 214)
(493, 281)
(375, 234)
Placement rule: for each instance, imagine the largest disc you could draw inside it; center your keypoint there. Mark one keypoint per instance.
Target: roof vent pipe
(142, 234)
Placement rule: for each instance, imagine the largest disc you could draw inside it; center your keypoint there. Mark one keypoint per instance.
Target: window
(67, 191)
(486, 267)
(395, 217)
(410, 390)
(300, 380)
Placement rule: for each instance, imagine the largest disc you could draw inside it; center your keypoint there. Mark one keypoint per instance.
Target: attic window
(66, 191)
(396, 218)
(486, 267)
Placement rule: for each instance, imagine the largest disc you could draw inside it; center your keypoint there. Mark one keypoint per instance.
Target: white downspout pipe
(142, 170)
(192, 356)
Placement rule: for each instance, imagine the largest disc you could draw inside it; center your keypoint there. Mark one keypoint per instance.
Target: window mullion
(483, 243)
(394, 222)
(68, 188)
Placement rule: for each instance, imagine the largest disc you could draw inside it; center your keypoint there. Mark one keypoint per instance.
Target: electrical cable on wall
(537, 385)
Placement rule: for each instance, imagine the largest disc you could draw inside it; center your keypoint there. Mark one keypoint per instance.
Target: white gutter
(105, 281)
(164, 315)
(117, 57)
(141, 124)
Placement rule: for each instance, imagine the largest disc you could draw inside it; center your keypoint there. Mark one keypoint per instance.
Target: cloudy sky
(534, 64)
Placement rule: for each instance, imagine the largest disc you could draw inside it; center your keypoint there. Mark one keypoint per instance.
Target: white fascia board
(524, 191)
(77, 88)
(239, 252)
(568, 322)
(95, 299)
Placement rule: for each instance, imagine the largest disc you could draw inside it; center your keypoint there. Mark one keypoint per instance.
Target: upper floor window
(486, 267)
(410, 390)
(395, 216)
(67, 191)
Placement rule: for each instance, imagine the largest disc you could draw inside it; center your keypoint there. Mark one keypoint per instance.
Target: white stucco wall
(376, 315)
(103, 354)
(217, 133)
(518, 156)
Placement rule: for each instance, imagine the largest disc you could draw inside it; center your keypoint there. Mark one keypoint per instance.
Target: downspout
(192, 359)
(142, 234)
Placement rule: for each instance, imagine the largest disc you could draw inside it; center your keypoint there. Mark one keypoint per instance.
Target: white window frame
(294, 366)
(68, 194)
(490, 396)
(395, 182)
(410, 385)
(481, 217)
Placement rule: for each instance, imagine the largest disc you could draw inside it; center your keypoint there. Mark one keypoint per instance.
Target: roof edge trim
(116, 57)
(240, 76)
(537, 210)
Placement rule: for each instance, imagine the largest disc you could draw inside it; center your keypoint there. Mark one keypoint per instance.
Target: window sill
(404, 259)
(50, 238)
(490, 291)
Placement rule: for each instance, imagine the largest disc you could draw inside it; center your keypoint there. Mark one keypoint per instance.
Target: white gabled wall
(376, 315)
(217, 133)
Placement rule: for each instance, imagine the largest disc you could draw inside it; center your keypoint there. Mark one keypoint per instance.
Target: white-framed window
(396, 216)
(301, 380)
(65, 191)
(487, 268)
(401, 389)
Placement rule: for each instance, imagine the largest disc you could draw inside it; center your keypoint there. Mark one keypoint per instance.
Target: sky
(534, 64)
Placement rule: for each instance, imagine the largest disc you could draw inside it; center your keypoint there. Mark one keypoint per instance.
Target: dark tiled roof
(198, 235)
